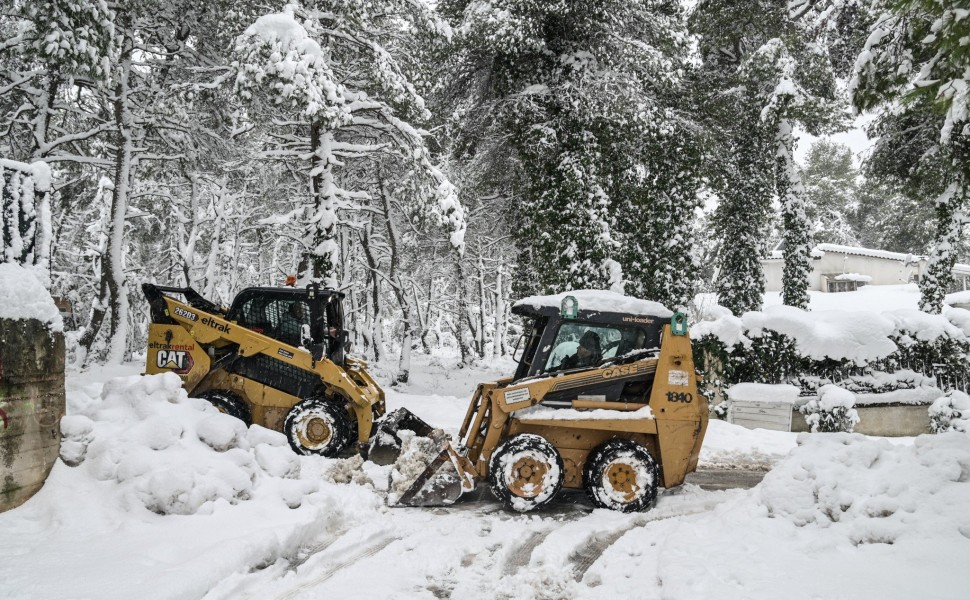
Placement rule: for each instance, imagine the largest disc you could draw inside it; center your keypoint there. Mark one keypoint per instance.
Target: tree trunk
(322, 242)
(393, 243)
(115, 303)
(498, 336)
(377, 327)
(797, 232)
(462, 326)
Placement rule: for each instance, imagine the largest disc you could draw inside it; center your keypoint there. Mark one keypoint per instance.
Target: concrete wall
(884, 420)
(31, 406)
(882, 270)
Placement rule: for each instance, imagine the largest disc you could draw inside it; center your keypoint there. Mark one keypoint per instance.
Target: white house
(838, 268)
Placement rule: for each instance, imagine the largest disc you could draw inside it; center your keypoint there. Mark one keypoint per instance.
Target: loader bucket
(428, 472)
(385, 446)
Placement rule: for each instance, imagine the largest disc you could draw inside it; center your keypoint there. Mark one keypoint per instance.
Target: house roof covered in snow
(821, 249)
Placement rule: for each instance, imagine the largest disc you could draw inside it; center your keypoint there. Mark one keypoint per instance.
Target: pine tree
(916, 58)
(567, 104)
(831, 193)
(764, 72)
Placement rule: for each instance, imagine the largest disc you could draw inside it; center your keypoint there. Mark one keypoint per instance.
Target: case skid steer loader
(276, 357)
(604, 399)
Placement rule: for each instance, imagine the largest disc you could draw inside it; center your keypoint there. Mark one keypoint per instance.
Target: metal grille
(278, 374)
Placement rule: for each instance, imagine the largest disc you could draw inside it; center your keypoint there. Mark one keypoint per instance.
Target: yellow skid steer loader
(276, 357)
(604, 399)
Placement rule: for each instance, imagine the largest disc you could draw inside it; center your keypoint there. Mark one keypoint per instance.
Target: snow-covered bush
(174, 454)
(950, 412)
(833, 411)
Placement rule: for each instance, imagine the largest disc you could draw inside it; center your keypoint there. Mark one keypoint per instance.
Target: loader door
(579, 346)
(528, 347)
(289, 317)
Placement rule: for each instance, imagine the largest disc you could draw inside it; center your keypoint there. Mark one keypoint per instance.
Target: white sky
(855, 139)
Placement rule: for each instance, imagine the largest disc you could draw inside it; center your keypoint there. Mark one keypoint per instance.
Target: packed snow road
(163, 497)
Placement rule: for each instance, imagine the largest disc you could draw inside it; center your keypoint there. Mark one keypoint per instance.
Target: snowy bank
(23, 296)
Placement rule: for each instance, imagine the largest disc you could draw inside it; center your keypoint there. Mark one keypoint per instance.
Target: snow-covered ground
(170, 499)
(871, 298)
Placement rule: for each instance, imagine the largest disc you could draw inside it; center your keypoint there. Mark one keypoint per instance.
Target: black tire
(229, 403)
(318, 427)
(621, 475)
(525, 472)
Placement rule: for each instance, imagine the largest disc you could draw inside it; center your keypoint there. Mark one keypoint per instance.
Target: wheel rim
(622, 480)
(314, 431)
(527, 477)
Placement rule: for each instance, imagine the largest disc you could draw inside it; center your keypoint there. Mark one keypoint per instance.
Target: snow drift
(174, 454)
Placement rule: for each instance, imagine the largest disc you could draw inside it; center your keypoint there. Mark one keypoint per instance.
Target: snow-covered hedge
(861, 351)
(833, 410)
(950, 413)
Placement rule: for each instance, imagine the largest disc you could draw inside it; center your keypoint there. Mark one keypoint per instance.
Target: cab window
(580, 345)
(284, 319)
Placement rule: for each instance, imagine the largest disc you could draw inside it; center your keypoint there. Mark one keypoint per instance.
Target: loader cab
(309, 318)
(555, 341)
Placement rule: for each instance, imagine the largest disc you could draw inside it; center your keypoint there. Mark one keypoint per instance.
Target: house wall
(882, 270)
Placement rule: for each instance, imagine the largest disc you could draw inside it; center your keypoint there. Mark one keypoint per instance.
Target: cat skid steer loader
(276, 357)
(604, 399)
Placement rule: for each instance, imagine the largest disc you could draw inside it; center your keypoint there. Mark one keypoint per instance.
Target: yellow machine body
(190, 345)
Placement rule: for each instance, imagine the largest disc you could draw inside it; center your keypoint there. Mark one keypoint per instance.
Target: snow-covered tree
(321, 80)
(915, 60)
(564, 107)
(763, 73)
(831, 193)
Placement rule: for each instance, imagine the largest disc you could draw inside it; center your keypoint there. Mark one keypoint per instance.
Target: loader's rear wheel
(317, 427)
(621, 475)
(229, 403)
(525, 472)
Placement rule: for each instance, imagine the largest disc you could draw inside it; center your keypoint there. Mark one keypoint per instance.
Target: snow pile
(174, 454)
(857, 336)
(868, 491)
(763, 392)
(923, 326)
(957, 298)
(833, 411)
(950, 412)
(853, 277)
(843, 516)
(417, 453)
(721, 324)
(600, 300)
(22, 296)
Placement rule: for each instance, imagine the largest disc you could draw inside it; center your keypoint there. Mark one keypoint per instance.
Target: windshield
(580, 345)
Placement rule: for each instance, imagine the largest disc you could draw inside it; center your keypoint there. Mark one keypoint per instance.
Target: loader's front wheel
(317, 427)
(525, 472)
(621, 475)
(228, 403)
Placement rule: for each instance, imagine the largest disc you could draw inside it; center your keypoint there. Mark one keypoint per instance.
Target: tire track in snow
(306, 554)
(588, 553)
(369, 547)
(520, 556)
